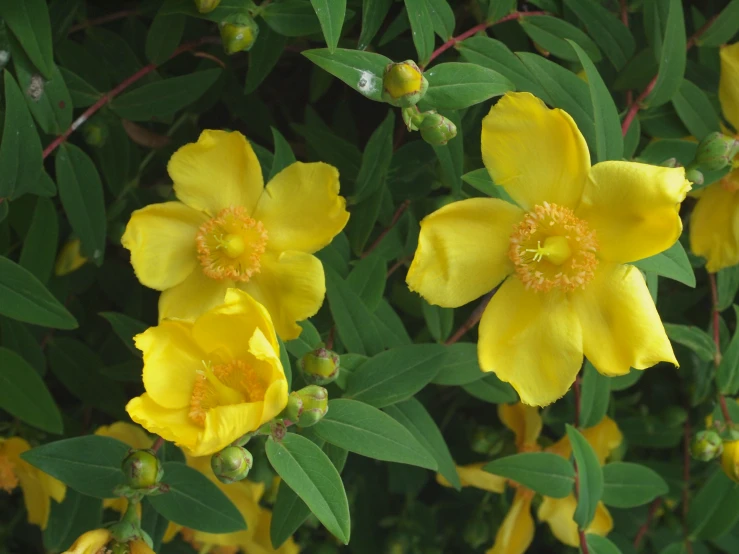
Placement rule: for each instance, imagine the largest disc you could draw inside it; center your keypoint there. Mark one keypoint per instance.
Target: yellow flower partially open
(714, 223)
(211, 381)
(229, 230)
(95, 541)
(38, 487)
(559, 253)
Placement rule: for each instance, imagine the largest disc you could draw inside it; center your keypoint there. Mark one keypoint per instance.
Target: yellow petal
(53, 487)
(140, 547)
(728, 87)
(605, 437)
(91, 542)
(472, 475)
(535, 153)
(730, 460)
(621, 326)
(517, 530)
(714, 225)
(301, 208)
(171, 532)
(69, 258)
(291, 286)
(524, 421)
(171, 362)
(633, 208)
(161, 238)
(558, 513)
(192, 297)
(217, 172)
(531, 340)
(172, 425)
(133, 435)
(463, 251)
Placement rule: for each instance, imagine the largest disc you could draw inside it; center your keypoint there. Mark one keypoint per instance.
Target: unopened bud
(231, 464)
(716, 151)
(437, 130)
(693, 175)
(94, 133)
(730, 460)
(238, 33)
(320, 367)
(293, 409)
(403, 84)
(142, 469)
(412, 118)
(205, 6)
(69, 258)
(706, 446)
(669, 162)
(315, 405)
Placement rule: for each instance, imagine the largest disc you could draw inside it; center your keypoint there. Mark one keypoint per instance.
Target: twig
(641, 533)
(102, 19)
(397, 265)
(692, 40)
(471, 321)
(396, 216)
(625, 12)
(157, 444)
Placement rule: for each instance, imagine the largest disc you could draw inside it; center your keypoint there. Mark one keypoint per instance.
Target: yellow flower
(211, 381)
(38, 487)
(714, 223)
(559, 253)
(94, 542)
(229, 230)
(69, 259)
(516, 532)
(730, 460)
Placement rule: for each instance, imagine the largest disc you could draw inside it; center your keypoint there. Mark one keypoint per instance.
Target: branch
(396, 216)
(471, 321)
(115, 16)
(641, 533)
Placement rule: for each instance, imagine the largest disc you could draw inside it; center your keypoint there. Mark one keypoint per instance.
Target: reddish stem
(397, 265)
(108, 96)
(641, 533)
(396, 216)
(157, 444)
(102, 19)
(471, 321)
(580, 532)
(625, 12)
(692, 40)
(330, 338)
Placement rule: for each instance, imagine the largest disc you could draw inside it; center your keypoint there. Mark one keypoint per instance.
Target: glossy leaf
(455, 86)
(491, 389)
(595, 396)
(543, 472)
(695, 110)
(552, 34)
(672, 263)
(694, 338)
(374, 13)
(626, 485)
(165, 34)
(360, 70)
(39, 246)
(715, 508)
(422, 28)
(331, 15)
(672, 59)
(291, 18)
(29, 22)
(723, 28)
(590, 478)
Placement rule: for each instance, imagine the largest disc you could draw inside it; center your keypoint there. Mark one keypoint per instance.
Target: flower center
(223, 385)
(231, 245)
(8, 478)
(551, 248)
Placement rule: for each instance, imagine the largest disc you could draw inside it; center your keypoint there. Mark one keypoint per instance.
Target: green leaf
(23, 394)
(90, 464)
(310, 473)
(439, 321)
(165, 34)
(609, 142)
(455, 86)
(422, 28)
(39, 247)
(552, 34)
(354, 322)
(29, 22)
(480, 180)
(292, 18)
(286, 365)
(491, 389)
(727, 374)
(451, 155)
(194, 501)
(367, 278)
(374, 13)
(77, 514)
(126, 328)
(331, 15)
(673, 263)
(360, 70)
(694, 338)
(459, 366)
(20, 151)
(376, 158)
(723, 28)
(672, 58)
(365, 430)
(225, 9)
(596, 393)
(81, 193)
(715, 508)
(500, 8)
(543, 472)
(283, 154)
(18, 337)
(308, 340)
(590, 478)
(395, 375)
(442, 17)
(610, 34)
(23, 297)
(627, 485)
(695, 110)
(727, 281)
(263, 57)
(600, 545)
(414, 417)
(164, 97)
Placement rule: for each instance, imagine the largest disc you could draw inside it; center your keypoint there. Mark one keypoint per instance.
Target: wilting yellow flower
(212, 381)
(714, 223)
(516, 532)
(229, 230)
(94, 542)
(69, 258)
(38, 487)
(560, 253)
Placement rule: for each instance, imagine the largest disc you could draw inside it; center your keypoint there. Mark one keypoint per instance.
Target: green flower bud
(95, 134)
(412, 118)
(142, 469)
(693, 175)
(320, 367)
(205, 6)
(403, 84)
(238, 33)
(436, 129)
(706, 446)
(716, 151)
(315, 405)
(293, 409)
(231, 464)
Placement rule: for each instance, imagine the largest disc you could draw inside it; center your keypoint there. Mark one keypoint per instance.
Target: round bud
(205, 6)
(293, 409)
(231, 464)
(315, 405)
(142, 469)
(693, 175)
(437, 130)
(403, 84)
(706, 446)
(238, 33)
(716, 151)
(320, 367)
(95, 134)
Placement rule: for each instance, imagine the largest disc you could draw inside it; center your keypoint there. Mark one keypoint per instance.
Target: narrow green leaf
(39, 247)
(451, 155)
(376, 160)
(626, 485)
(286, 365)
(600, 545)
(374, 13)
(263, 56)
(672, 59)
(76, 514)
(695, 110)
(500, 8)
(126, 328)
(360, 70)
(727, 285)
(596, 392)
(29, 22)
(694, 338)
(309, 472)
(552, 34)
(365, 430)
(308, 340)
(283, 154)
(491, 389)
(24, 395)
(331, 15)
(18, 337)
(715, 508)
(727, 374)
(292, 18)
(367, 278)
(459, 366)
(724, 27)
(455, 86)
(422, 28)
(543, 472)
(442, 17)
(673, 263)
(439, 321)
(590, 478)
(165, 34)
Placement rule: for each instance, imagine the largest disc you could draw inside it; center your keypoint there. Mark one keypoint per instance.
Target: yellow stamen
(555, 249)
